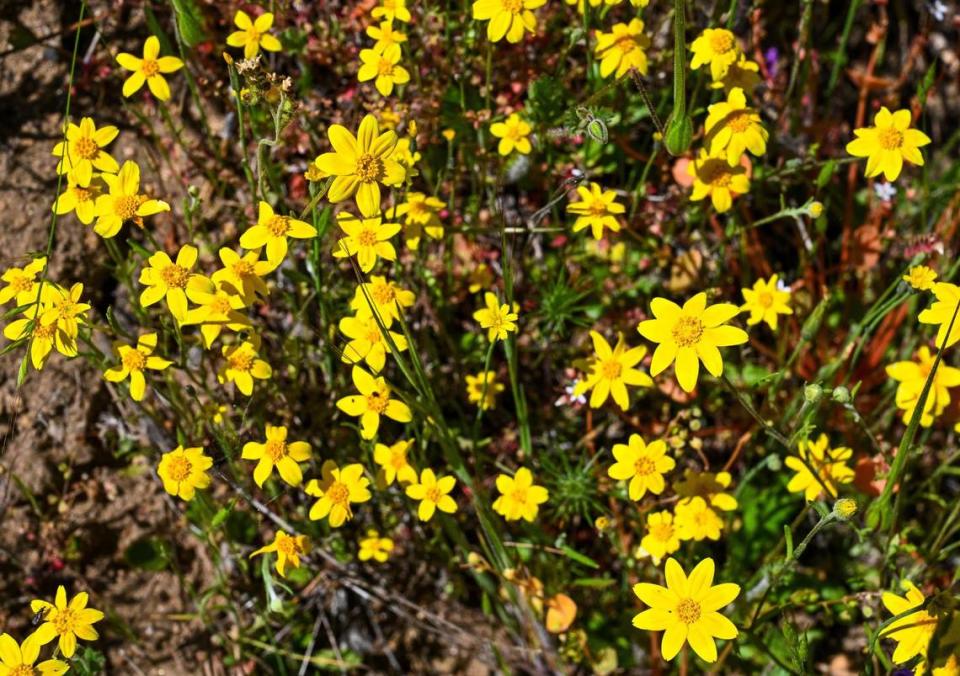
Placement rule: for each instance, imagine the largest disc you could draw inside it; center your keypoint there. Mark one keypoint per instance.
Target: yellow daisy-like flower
(765, 301)
(514, 134)
(942, 312)
(243, 273)
(612, 370)
(732, 127)
(289, 549)
(218, 308)
(66, 621)
(361, 163)
(716, 47)
(242, 365)
(375, 547)
(277, 452)
(920, 277)
(496, 317)
(150, 69)
(694, 519)
(124, 202)
(888, 143)
(713, 177)
(63, 307)
(483, 388)
(642, 464)
(367, 342)
(743, 73)
(184, 470)
(84, 151)
(712, 487)
(336, 490)
(272, 231)
(388, 299)
(372, 402)
(913, 631)
(830, 465)
(519, 497)
(133, 362)
(43, 337)
(405, 155)
(20, 660)
(394, 463)
(510, 18)
(383, 67)
(78, 197)
(367, 238)
(661, 536)
(912, 376)
(392, 9)
(481, 277)
(686, 610)
(22, 285)
(167, 279)
(385, 35)
(597, 209)
(433, 494)
(623, 48)
(421, 214)
(689, 335)
(253, 34)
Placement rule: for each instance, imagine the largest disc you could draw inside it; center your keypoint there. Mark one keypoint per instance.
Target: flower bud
(679, 135)
(815, 208)
(845, 508)
(812, 393)
(841, 395)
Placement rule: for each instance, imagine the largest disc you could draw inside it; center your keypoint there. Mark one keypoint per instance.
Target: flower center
(242, 268)
(626, 44)
(175, 276)
(385, 67)
(288, 546)
(644, 466)
(253, 35)
(339, 494)
(134, 360)
(85, 148)
(687, 331)
(369, 167)
(688, 611)
(513, 6)
(367, 237)
(519, 495)
(890, 138)
(179, 469)
(44, 332)
(65, 620)
(241, 360)
(598, 208)
(433, 495)
(22, 670)
(513, 133)
(382, 294)
(739, 122)
(220, 305)
(721, 41)
(22, 283)
(126, 206)
(377, 402)
(82, 194)
(662, 531)
(373, 335)
(398, 461)
(765, 299)
(275, 449)
(149, 67)
(610, 369)
(278, 226)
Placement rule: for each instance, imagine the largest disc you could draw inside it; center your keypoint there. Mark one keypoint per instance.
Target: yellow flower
(218, 307)
(184, 470)
(743, 73)
(22, 285)
(686, 610)
(694, 519)
(375, 547)
(277, 452)
(420, 215)
(661, 536)
(596, 3)
(253, 34)
(942, 312)
(765, 301)
(367, 238)
(392, 9)
(405, 155)
(124, 202)
(133, 362)
(888, 143)
(243, 273)
(829, 463)
(732, 128)
(68, 621)
(920, 277)
(714, 177)
(79, 197)
(497, 318)
(83, 151)
(18, 660)
(336, 489)
(383, 67)
(63, 307)
(433, 494)
(372, 402)
(622, 48)
(690, 335)
(597, 209)
(385, 35)
(367, 342)
(360, 164)
(242, 366)
(43, 337)
(510, 18)
(513, 134)
(643, 464)
(388, 299)
(149, 69)
(481, 277)
(913, 631)
(272, 230)
(167, 279)
(289, 548)
(709, 486)
(913, 375)
(483, 388)
(611, 372)
(716, 47)
(519, 497)
(394, 463)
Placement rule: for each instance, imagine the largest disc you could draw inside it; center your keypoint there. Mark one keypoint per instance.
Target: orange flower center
(134, 360)
(126, 206)
(513, 132)
(44, 332)
(339, 494)
(687, 331)
(765, 299)
(513, 6)
(433, 495)
(739, 122)
(370, 167)
(382, 294)
(721, 41)
(275, 449)
(241, 360)
(367, 237)
(179, 468)
(220, 305)
(715, 173)
(85, 148)
(644, 466)
(626, 44)
(278, 226)
(688, 611)
(377, 402)
(598, 208)
(399, 460)
(22, 283)
(82, 194)
(288, 546)
(519, 495)
(611, 369)
(149, 67)
(662, 531)
(175, 276)
(22, 670)
(890, 138)
(384, 67)
(242, 268)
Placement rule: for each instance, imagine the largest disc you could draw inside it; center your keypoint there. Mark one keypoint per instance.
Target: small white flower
(885, 191)
(938, 9)
(569, 397)
(782, 285)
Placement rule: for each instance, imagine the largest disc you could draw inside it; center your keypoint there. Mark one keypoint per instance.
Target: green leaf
(826, 173)
(594, 582)
(189, 22)
(147, 554)
(578, 557)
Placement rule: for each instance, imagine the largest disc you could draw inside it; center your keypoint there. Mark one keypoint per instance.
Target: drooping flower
(912, 376)
(483, 388)
(390, 10)
(273, 231)
(242, 365)
(421, 214)
(830, 465)
(43, 337)
(22, 285)
(888, 143)
(597, 209)
(765, 301)
(689, 335)
(124, 202)
(184, 470)
(743, 73)
(383, 67)
(394, 462)
(385, 35)
(243, 273)
(732, 128)
(372, 402)
(920, 277)
(388, 298)
(277, 452)
(84, 151)
(336, 490)
(433, 494)
(498, 318)
(150, 69)
(367, 238)
(612, 370)
(253, 34)
(20, 660)
(713, 177)
(519, 497)
(367, 342)
(289, 549)
(514, 134)
(942, 312)
(623, 48)
(913, 631)
(165, 278)
(686, 610)
(133, 362)
(642, 464)
(694, 519)
(375, 547)
(710, 486)
(66, 621)
(78, 197)
(661, 536)
(510, 18)
(716, 47)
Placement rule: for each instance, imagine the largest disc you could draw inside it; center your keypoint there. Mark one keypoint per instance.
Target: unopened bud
(841, 395)
(845, 508)
(679, 135)
(812, 393)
